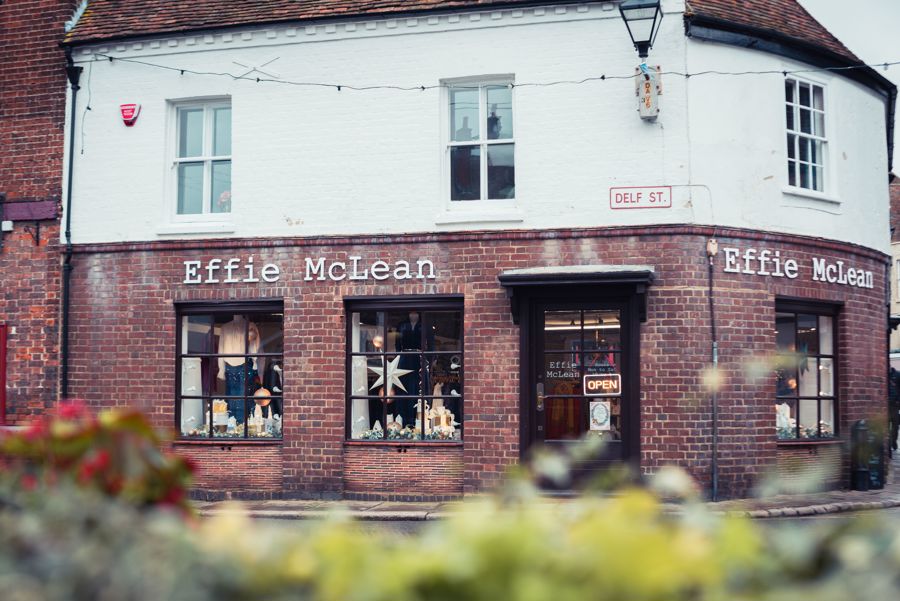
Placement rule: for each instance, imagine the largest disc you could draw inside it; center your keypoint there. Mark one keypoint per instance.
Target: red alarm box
(130, 113)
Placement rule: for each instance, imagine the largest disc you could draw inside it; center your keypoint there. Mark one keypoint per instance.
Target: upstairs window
(806, 141)
(203, 158)
(482, 143)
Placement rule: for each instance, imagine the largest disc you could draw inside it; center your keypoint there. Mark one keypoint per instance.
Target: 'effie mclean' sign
(234, 270)
(653, 197)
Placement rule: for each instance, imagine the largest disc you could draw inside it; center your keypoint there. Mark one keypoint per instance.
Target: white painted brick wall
(312, 161)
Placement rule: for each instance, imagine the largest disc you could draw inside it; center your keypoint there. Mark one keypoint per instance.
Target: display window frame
(423, 305)
(808, 308)
(202, 308)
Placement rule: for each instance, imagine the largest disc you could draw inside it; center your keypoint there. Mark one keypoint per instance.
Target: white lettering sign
(213, 271)
(770, 263)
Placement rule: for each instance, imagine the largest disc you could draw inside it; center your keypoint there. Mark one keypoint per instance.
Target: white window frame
(483, 82)
(826, 192)
(207, 158)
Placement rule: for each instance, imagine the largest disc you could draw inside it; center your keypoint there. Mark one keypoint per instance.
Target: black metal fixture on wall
(642, 18)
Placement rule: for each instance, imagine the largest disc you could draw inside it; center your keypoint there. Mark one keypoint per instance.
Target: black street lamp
(642, 19)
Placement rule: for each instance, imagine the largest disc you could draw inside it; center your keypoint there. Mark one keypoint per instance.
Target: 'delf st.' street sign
(602, 384)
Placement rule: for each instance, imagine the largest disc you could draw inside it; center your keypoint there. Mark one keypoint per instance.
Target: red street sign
(602, 385)
(130, 113)
(638, 197)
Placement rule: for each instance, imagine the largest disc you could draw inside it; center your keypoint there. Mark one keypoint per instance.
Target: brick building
(32, 123)
(379, 249)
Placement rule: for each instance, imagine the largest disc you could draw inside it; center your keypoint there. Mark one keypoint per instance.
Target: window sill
(811, 195)
(804, 442)
(236, 442)
(477, 215)
(181, 229)
(403, 443)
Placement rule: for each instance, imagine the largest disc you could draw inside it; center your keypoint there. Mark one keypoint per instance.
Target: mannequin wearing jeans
(238, 337)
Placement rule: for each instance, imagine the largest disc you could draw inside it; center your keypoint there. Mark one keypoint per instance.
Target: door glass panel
(562, 375)
(565, 419)
(562, 330)
(602, 363)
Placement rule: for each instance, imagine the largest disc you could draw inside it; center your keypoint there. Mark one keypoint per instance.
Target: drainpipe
(712, 248)
(73, 74)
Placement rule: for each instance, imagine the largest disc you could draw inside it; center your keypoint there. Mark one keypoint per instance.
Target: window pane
(221, 187)
(826, 377)
(222, 132)
(785, 419)
(789, 90)
(789, 114)
(792, 173)
(443, 331)
(601, 330)
(404, 418)
(190, 188)
(805, 121)
(818, 98)
(443, 376)
(816, 175)
(501, 171)
(195, 417)
(465, 173)
(809, 384)
(827, 423)
(499, 113)
(809, 418)
(364, 413)
(826, 335)
(443, 419)
(562, 330)
(804, 94)
(784, 332)
(804, 149)
(562, 374)
(565, 418)
(804, 176)
(196, 333)
(368, 332)
(807, 334)
(602, 363)
(395, 375)
(786, 377)
(264, 419)
(190, 133)
(791, 146)
(463, 114)
(819, 124)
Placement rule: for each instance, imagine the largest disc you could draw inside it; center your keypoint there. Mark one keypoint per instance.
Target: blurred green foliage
(69, 541)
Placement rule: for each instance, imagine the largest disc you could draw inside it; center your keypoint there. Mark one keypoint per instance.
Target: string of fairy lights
(98, 57)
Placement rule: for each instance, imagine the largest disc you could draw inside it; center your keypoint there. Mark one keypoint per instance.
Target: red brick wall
(403, 473)
(802, 467)
(242, 471)
(32, 114)
(124, 328)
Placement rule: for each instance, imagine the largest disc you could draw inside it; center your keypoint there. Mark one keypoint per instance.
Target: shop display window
(805, 373)
(405, 370)
(229, 372)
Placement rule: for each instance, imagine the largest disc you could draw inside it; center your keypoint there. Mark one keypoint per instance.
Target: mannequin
(236, 371)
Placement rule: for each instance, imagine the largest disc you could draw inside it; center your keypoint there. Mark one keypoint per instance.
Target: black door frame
(529, 290)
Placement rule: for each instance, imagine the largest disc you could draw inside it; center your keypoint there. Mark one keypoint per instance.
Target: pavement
(776, 506)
